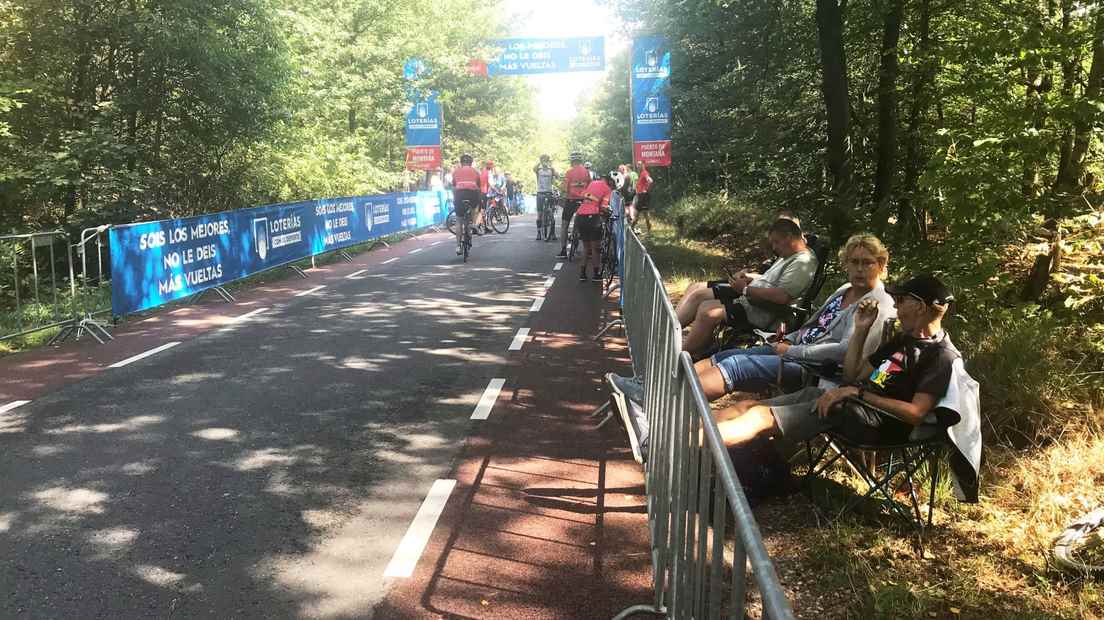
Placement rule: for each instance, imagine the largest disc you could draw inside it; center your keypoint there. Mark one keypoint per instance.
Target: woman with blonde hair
(822, 340)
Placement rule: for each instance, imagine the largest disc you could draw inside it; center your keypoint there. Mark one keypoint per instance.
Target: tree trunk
(911, 217)
(887, 114)
(837, 105)
(1065, 181)
(1089, 115)
(1037, 82)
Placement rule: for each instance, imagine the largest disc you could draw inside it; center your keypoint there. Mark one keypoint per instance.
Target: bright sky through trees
(558, 93)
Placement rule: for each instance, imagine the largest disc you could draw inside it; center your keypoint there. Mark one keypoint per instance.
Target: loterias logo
(651, 67)
(260, 235)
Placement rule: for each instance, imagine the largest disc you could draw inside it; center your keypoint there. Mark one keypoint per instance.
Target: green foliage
(121, 111)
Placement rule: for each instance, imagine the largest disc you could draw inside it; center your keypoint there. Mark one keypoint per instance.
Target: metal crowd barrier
(692, 489)
(37, 255)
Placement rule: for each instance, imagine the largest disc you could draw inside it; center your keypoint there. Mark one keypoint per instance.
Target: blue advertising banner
(153, 263)
(535, 56)
(651, 102)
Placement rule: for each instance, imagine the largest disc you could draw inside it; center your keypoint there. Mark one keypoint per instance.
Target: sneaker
(552, 238)
(631, 387)
(563, 254)
(596, 276)
(582, 276)
(459, 250)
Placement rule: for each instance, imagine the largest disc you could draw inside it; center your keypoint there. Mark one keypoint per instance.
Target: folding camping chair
(951, 433)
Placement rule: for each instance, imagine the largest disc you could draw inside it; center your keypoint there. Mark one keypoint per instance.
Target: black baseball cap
(925, 287)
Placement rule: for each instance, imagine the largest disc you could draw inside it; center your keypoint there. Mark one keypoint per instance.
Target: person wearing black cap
(907, 376)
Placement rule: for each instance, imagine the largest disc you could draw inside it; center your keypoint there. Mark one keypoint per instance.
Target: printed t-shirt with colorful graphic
(601, 192)
(906, 365)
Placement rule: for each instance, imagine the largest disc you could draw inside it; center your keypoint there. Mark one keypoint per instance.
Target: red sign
(477, 68)
(655, 153)
(423, 157)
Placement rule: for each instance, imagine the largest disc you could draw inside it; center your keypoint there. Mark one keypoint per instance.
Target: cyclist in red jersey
(588, 223)
(465, 191)
(642, 202)
(575, 184)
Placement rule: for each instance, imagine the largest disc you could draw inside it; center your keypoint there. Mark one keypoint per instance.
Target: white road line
(519, 339)
(537, 303)
(140, 356)
(558, 267)
(355, 274)
(417, 535)
(248, 315)
(436, 243)
(389, 261)
(415, 250)
(487, 401)
(309, 291)
(19, 403)
(550, 281)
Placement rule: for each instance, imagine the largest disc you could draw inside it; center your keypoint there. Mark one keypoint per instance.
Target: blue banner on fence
(153, 263)
(651, 103)
(535, 56)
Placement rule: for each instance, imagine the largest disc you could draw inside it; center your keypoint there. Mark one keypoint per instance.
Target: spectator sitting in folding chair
(906, 377)
(820, 343)
(709, 304)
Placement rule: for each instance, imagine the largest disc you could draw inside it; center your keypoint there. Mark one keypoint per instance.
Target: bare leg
(712, 381)
(745, 421)
(563, 234)
(710, 315)
(688, 306)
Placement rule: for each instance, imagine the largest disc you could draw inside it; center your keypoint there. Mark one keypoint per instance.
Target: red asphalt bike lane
(548, 516)
(29, 375)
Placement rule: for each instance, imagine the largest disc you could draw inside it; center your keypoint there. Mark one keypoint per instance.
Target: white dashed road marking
(389, 261)
(154, 351)
(309, 291)
(355, 274)
(537, 304)
(519, 339)
(487, 401)
(415, 250)
(417, 535)
(550, 281)
(248, 315)
(558, 267)
(17, 403)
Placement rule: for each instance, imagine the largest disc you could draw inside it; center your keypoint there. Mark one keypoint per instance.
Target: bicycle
(546, 228)
(572, 241)
(497, 214)
(465, 228)
(608, 265)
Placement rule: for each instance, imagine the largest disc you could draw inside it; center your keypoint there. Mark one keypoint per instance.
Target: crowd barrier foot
(87, 325)
(345, 255)
(609, 326)
(379, 242)
(641, 609)
(299, 272)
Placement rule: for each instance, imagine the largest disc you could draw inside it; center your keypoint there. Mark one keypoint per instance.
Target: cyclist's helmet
(587, 165)
(576, 157)
(465, 160)
(546, 158)
(610, 178)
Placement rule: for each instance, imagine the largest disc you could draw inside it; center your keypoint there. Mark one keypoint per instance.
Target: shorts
(796, 417)
(643, 201)
(756, 369)
(461, 195)
(589, 227)
(570, 207)
(735, 314)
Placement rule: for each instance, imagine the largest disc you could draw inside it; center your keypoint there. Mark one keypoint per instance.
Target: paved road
(268, 468)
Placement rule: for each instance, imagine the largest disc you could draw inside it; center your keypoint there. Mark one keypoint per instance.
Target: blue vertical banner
(651, 101)
(423, 133)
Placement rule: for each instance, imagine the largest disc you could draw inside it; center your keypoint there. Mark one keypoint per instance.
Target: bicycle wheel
(573, 245)
(466, 228)
(450, 221)
(500, 220)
